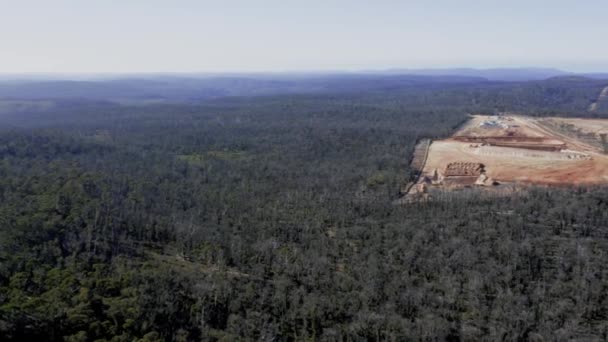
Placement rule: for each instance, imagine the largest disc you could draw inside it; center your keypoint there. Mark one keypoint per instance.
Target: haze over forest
(303, 171)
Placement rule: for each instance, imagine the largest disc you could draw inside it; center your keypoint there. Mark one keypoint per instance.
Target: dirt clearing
(512, 150)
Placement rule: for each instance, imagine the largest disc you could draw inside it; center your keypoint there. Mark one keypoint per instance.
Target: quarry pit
(490, 151)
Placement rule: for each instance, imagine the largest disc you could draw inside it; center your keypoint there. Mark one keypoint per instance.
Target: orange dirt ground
(520, 150)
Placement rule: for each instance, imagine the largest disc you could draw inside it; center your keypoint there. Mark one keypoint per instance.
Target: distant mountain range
(196, 87)
(174, 88)
(497, 74)
(491, 74)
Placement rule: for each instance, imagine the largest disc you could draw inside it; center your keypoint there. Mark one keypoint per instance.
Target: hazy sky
(259, 35)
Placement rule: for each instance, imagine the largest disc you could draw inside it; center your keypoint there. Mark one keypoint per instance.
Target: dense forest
(273, 218)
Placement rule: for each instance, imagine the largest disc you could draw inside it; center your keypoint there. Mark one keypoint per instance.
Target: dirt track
(601, 97)
(571, 142)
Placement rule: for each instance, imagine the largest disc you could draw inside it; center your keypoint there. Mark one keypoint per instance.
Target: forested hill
(565, 95)
(272, 218)
(187, 89)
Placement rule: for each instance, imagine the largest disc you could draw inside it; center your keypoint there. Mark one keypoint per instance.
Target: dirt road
(601, 97)
(572, 143)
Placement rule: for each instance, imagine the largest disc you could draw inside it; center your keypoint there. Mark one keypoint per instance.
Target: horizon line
(311, 71)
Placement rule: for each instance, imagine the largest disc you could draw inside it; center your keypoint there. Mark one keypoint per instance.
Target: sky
(131, 36)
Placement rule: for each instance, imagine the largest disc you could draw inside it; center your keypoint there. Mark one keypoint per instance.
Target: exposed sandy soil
(521, 162)
(603, 95)
(593, 107)
(505, 166)
(587, 125)
(516, 128)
